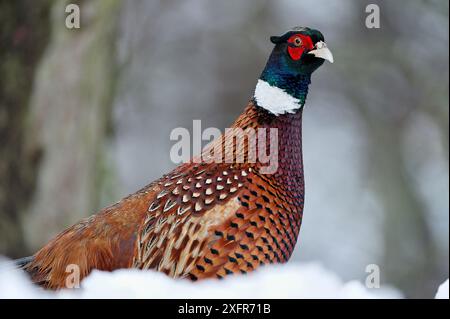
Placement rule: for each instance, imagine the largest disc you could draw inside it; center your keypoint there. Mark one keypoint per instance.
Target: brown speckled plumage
(201, 220)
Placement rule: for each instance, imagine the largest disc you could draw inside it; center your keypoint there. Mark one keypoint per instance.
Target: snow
(274, 99)
(442, 292)
(15, 284)
(293, 280)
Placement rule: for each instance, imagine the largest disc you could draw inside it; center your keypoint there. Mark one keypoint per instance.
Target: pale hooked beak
(321, 51)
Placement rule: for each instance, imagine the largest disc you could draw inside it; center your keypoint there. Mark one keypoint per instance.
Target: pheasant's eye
(297, 42)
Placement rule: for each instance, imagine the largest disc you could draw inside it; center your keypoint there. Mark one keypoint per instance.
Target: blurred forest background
(85, 118)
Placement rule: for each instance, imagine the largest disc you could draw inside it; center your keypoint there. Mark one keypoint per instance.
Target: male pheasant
(209, 217)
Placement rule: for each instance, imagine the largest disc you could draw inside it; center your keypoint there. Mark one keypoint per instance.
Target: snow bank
(292, 280)
(442, 292)
(287, 281)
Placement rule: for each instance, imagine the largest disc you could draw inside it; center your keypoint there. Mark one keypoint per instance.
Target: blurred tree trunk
(69, 118)
(24, 34)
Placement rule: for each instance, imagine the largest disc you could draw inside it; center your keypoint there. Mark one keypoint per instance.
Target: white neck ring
(274, 99)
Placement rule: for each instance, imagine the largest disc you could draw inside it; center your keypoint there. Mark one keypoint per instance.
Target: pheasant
(210, 217)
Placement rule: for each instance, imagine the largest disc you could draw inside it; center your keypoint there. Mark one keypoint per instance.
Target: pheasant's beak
(321, 51)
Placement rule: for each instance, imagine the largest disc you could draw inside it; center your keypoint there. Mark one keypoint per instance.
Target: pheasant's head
(296, 55)
(301, 50)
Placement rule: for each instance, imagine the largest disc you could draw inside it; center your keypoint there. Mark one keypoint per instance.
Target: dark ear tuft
(275, 39)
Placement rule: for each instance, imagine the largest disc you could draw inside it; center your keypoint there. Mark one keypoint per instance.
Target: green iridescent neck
(280, 73)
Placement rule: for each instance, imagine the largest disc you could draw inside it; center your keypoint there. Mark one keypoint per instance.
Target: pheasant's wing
(215, 220)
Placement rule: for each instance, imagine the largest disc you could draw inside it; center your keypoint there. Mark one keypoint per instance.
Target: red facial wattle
(296, 52)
